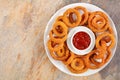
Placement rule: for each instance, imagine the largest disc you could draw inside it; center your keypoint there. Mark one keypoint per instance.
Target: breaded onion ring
(77, 66)
(84, 15)
(56, 38)
(69, 59)
(102, 50)
(101, 36)
(54, 54)
(98, 21)
(91, 62)
(52, 46)
(66, 18)
(60, 29)
(61, 52)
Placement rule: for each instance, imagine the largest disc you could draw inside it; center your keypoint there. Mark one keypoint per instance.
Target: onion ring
(77, 66)
(102, 50)
(60, 29)
(99, 37)
(90, 61)
(69, 59)
(105, 58)
(56, 38)
(98, 21)
(55, 56)
(66, 18)
(101, 21)
(55, 47)
(84, 16)
(61, 52)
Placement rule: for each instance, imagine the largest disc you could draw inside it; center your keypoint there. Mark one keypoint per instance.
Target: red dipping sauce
(81, 40)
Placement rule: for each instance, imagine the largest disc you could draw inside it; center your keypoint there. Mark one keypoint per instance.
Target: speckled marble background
(22, 54)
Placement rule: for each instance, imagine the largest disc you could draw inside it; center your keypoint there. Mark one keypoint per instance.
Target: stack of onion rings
(105, 40)
(98, 21)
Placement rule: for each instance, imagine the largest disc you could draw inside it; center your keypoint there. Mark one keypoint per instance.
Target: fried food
(104, 35)
(52, 46)
(60, 54)
(91, 62)
(66, 18)
(60, 29)
(98, 22)
(69, 59)
(77, 65)
(84, 15)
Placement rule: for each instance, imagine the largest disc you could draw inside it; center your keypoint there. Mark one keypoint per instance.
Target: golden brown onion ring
(66, 18)
(55, 56)
(98, 21)
(69, 59)
(101, 36)
(56, 38)
(60, 29)
(55, 47)
(77, 66)
(102, 50)
(84, 16)
(91, 62)
(61, 52)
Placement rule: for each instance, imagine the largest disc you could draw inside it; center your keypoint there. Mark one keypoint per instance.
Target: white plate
(59, 64)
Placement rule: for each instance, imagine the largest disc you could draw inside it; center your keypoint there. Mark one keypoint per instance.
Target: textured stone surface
(22, 54)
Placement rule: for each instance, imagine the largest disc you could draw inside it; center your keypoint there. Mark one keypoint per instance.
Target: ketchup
(81, 40)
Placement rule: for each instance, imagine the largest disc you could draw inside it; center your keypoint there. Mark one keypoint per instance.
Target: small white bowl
(71, 34)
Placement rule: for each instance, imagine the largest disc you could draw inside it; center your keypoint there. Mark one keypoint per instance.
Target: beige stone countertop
(22, 53)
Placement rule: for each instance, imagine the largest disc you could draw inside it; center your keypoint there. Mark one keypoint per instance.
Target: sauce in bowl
(81, 40)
